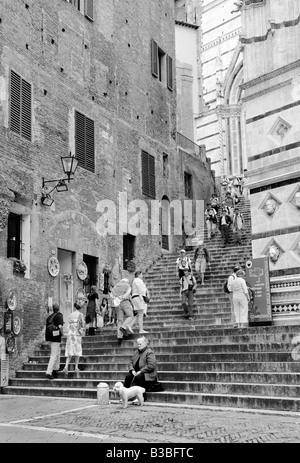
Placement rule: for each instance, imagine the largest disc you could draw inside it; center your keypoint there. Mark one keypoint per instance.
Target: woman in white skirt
(240, 298)
(74, 335)
(138, 292)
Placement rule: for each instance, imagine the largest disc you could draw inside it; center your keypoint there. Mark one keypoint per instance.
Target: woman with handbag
(90, 316)
(74, 336)
(138, 294)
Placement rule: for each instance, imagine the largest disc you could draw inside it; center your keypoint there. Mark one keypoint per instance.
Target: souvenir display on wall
(11, 300)
(10, 343)
(53, 266)
(82, 271)
(16, 325)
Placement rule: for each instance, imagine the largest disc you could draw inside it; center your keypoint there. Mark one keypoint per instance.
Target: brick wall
(103, 70)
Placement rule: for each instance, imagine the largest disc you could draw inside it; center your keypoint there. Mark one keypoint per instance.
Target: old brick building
(94, 79)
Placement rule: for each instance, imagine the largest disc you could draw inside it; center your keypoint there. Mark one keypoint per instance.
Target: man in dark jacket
(53, 334)
(142, 367)
(224, 224)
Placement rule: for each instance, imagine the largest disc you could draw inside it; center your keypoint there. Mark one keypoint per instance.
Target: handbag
(116, 301)
(146, 299)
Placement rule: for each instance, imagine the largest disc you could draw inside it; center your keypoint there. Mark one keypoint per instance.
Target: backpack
(225, 286)
(51, 329)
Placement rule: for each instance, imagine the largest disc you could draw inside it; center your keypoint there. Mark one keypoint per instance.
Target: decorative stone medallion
(82, 271)
(280, 129)
(294, 199)
(53, 266)
(270, 205)
(11, 300)
(273, 250)
(296, 247)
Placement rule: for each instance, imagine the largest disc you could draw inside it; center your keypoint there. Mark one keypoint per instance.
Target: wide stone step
(188, 357)
(227, 400)
(200, 376)
(196, 348)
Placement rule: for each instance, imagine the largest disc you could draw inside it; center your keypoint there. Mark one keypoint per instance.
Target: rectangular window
(128, 249)
(188, 191)
(85, 141)
(20, 106)
(148, 174)
(14, 248)
(161, 65)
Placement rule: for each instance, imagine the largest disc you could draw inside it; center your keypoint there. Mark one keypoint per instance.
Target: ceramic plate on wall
(16, 325)
(11, 300)
(53, 266)
(82, 270)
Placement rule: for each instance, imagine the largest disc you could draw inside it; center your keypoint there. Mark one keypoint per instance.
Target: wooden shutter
(20, 106)
(85, 141)
(89, 145)
(15, 102)
(80, 138)
(26, 110)
(145, 176)
(89, 9)
(151, 176)
(169, 72)
(154, 58)
(148, 174)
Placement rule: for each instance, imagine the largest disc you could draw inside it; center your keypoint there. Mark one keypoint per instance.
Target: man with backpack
(188, 286)
(226, 290)
(53, 334)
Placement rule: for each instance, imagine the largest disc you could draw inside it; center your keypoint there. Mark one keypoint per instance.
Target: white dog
(129, 393)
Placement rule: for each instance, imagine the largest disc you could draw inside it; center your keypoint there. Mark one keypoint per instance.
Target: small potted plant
(19, 266)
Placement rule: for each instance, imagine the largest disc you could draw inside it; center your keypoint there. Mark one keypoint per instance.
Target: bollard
(102, 394)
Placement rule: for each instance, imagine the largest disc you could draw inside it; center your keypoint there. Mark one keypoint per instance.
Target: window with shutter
(169, 72)
(85, 141)
(148, 175)
(20, 106)
(89, 9)
(154, 58)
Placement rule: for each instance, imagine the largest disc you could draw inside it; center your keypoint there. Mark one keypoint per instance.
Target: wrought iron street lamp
(69, 164)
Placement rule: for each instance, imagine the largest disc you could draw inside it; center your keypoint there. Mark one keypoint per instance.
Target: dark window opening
(128, 249)
(188, 191)
(14, 239)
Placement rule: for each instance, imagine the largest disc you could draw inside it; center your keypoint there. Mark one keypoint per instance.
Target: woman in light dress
(74, 336)
(201, 260)
(240, 298)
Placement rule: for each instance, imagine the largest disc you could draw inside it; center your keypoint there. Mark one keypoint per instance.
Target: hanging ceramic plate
(16, 325)
(1, 321)
(53, 266)
(11, 300)
(82, 271)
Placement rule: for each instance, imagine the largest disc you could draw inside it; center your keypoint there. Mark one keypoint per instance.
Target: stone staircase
(200, 362)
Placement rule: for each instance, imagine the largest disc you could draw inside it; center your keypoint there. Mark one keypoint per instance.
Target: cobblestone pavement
(45, 419)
